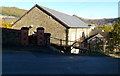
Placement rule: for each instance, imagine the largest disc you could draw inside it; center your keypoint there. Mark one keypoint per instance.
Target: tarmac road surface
(38, 63)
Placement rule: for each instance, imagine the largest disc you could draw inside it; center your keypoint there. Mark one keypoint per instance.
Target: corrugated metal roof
(70, 21)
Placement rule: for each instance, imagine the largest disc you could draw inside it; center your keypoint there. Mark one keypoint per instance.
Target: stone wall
(38, 18)
(11, 36)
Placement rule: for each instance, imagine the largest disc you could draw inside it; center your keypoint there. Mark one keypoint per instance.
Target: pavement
(41, 63)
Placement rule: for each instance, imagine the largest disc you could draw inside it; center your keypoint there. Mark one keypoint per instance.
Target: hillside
(12, 11)
(105, 21)
(100, 21)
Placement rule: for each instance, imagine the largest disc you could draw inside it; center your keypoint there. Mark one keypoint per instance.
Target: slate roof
(70, 21)
(93, 36)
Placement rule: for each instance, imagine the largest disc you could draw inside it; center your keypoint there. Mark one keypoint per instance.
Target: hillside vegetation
(100, 21)
(104, 21)
(12, 11)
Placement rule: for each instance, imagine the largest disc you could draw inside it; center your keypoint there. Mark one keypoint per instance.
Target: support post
(40, 36)
(24, 36)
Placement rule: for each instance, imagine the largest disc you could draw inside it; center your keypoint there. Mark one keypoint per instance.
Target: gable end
(44, 12)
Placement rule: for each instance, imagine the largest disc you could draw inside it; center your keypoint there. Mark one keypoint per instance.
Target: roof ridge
(66, 20)
(52, 14)
(69, 20)
(53, 10)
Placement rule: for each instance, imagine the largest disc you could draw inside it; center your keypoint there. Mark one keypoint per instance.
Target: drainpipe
(76, 34)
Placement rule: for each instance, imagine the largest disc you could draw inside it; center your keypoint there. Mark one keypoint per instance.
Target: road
(37, 63)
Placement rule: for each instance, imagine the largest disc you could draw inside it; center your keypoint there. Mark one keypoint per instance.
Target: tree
(114, 37)
(106, 28)
(7, 24)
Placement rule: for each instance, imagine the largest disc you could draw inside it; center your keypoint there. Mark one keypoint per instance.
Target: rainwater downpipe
(76, 35)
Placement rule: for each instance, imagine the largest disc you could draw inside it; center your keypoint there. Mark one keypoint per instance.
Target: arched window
(83, 35)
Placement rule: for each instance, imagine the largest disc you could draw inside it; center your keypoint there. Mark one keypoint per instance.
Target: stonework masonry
(38, 18)
(20, 37)
(11, 37)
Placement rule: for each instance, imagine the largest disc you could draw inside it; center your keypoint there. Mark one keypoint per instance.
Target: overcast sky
(90, 9)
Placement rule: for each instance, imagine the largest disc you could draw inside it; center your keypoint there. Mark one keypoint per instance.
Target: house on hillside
(64, 29)
(93, 42)
(100, 31)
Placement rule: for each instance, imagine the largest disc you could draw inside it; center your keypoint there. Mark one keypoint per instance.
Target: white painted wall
(76, 34)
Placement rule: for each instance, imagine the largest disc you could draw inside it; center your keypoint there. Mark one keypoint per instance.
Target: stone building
(64, 29)
(93, 43)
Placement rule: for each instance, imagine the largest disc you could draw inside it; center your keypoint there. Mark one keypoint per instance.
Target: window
(83, 34)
